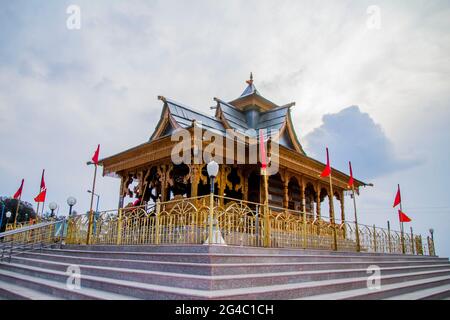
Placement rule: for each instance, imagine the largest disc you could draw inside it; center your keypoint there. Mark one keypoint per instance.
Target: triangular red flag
(327, 171)
(18, 193)
(398, 198)
(95, 156)
(41, 196)
(43, 191)
(351, 180)
(262, 150)
(403, 217)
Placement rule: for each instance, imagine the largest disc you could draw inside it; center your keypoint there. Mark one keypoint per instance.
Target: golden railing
(29, 237)
(237, 222)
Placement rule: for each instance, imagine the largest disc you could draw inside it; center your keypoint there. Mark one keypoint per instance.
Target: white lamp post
(53, 206)
(71, 201)
(215, 237)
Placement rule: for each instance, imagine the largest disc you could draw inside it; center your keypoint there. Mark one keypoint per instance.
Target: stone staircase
(219, 272)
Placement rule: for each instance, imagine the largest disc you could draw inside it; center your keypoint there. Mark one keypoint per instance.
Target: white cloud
(62, 92)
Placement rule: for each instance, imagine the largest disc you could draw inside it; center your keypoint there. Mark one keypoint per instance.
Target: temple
(296, 187)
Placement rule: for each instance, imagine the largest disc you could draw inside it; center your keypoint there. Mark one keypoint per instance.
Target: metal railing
(31, 237)
(241, 223)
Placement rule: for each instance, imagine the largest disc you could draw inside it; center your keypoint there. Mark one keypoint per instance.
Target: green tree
(26, 211)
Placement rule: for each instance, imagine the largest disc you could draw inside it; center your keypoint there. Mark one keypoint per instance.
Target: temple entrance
(235, 180)
(276, 191)
(254, 187)
(294, 195)
(310, 195)
(180, 185)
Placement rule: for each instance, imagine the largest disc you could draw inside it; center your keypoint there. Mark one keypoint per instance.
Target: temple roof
(247, 114)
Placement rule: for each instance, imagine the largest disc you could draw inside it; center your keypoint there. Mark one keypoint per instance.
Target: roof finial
(250, 82)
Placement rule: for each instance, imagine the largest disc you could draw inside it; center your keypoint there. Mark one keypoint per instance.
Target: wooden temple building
(296, 186)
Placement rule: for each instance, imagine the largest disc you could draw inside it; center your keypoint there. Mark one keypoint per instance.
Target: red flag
(403, 217)
(262, 150)
(43, 191)
(95, 157)
(351, 181)
(327, 171)
(398, 198)
(18, 193)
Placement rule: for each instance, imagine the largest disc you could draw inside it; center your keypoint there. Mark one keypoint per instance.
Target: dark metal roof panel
(185, 115)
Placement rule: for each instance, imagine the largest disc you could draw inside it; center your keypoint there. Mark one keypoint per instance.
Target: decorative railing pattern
(237, 222)
(30, 237)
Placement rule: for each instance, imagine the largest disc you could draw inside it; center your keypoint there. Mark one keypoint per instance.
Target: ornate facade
(296, 186)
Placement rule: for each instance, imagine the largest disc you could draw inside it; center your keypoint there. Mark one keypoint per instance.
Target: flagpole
(37, 212)
(358, 245)
(401, 225)
(333, 221)
(91, 214)
(266, 205)
(18, 203)
(17, 210)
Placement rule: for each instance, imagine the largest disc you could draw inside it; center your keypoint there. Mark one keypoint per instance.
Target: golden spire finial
(250, 82)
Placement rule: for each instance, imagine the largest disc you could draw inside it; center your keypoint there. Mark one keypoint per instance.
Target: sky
(370, 80)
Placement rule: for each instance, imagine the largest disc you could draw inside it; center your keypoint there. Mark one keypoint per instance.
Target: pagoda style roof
(246, 115)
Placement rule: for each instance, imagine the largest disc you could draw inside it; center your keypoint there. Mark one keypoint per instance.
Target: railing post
(266, 226)
(335, 245)
(119, 227)
(389, 237)
(412, 241)
(304, 230)
(257, 225)
(430, 249)
(157, 216)
(374, 239)
(211, 216)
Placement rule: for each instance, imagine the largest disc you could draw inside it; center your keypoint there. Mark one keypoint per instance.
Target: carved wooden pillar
(318, 190)
(164, 178)
(195, 179)
(331, 204)
(286, 193)
(302, 193)
(342, 207)
(222, 181)
(122, 190)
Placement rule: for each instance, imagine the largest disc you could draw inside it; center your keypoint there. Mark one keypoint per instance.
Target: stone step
(14, 292)
(214, 282)
(283, 291)
(395, 291)
(226, 249)
(435, 293)
(216, 269)
(217, 282)
(57, 289)
(228, 258)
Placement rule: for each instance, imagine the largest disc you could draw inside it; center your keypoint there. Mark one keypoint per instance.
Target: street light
(8, 215)
(213, 169)
(71, 201)
(98, 199)
(1, 217)
(53, 206)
